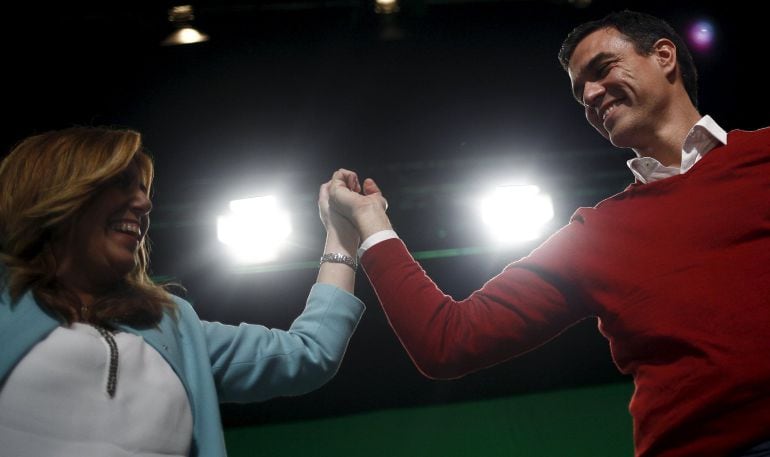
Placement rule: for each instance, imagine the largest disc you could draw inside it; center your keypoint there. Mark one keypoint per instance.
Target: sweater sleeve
(255, 363)
(519, 309)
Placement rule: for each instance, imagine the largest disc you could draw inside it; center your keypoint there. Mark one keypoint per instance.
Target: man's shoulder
(743, 136)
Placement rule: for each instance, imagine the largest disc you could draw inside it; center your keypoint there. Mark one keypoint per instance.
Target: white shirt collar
(704, 136)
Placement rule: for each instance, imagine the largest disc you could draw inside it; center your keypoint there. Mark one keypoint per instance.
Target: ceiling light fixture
(386, 6)
(181, 18)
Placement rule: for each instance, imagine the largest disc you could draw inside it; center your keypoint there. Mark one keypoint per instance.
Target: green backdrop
(590, 422)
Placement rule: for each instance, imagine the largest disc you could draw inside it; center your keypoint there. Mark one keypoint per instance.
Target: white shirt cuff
(375, 238)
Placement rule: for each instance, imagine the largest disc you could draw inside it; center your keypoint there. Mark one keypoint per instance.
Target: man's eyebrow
(587, 68)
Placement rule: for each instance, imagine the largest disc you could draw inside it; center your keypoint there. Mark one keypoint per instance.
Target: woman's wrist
(339, 258)
(345, 241)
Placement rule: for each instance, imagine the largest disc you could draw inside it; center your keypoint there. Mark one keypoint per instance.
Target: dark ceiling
(435, 102)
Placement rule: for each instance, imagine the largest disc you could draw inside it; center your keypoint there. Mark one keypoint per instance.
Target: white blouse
(55, 401)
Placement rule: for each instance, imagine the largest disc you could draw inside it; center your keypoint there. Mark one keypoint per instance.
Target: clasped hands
(345, 205)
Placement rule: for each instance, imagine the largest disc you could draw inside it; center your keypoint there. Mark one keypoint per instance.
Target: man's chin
(620, 139)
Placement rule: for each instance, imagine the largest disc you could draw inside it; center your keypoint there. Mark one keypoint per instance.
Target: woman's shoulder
(184, 309)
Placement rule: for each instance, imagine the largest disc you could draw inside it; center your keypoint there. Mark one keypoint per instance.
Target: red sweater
(677, 272)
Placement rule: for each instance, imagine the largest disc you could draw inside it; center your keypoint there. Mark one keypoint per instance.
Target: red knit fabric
(677, 272)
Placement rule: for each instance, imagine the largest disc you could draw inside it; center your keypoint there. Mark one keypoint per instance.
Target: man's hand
(365, 211)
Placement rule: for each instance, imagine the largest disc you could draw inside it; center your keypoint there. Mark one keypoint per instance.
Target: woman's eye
(122, 181)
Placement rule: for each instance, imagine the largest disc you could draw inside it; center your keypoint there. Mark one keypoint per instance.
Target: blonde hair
(44, 182)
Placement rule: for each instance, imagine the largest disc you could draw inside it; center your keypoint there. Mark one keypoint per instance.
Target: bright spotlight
(254, 229)
(516, 213)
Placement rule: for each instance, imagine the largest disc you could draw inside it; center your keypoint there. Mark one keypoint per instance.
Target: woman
(96, 359)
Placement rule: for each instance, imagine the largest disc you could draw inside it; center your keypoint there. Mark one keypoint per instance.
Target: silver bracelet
(336, 257)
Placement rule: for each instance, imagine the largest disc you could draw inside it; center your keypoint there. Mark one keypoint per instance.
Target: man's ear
(664, 51)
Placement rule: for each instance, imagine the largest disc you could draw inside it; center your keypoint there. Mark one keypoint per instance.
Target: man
(676, 267)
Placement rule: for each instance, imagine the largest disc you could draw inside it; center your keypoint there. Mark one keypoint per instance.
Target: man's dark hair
(643, 30)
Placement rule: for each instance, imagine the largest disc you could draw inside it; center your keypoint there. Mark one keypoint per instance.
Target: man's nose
(592, 94)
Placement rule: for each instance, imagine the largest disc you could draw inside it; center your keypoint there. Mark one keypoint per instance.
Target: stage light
(181, 17)
(254, 229)
(516, 213)
(701, 35)
(386, 6)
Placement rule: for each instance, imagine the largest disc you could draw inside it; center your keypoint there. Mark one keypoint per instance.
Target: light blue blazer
(216, 362)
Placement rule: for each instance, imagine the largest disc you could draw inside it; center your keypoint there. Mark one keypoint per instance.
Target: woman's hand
(365, 211)
(338, 227)
(341, 235)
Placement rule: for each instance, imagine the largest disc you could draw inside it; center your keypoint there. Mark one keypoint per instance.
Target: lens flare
(701, 35)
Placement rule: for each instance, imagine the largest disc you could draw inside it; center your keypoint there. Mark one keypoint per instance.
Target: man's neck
(666, 147)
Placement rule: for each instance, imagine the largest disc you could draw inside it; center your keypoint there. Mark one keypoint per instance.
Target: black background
(437, 103)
